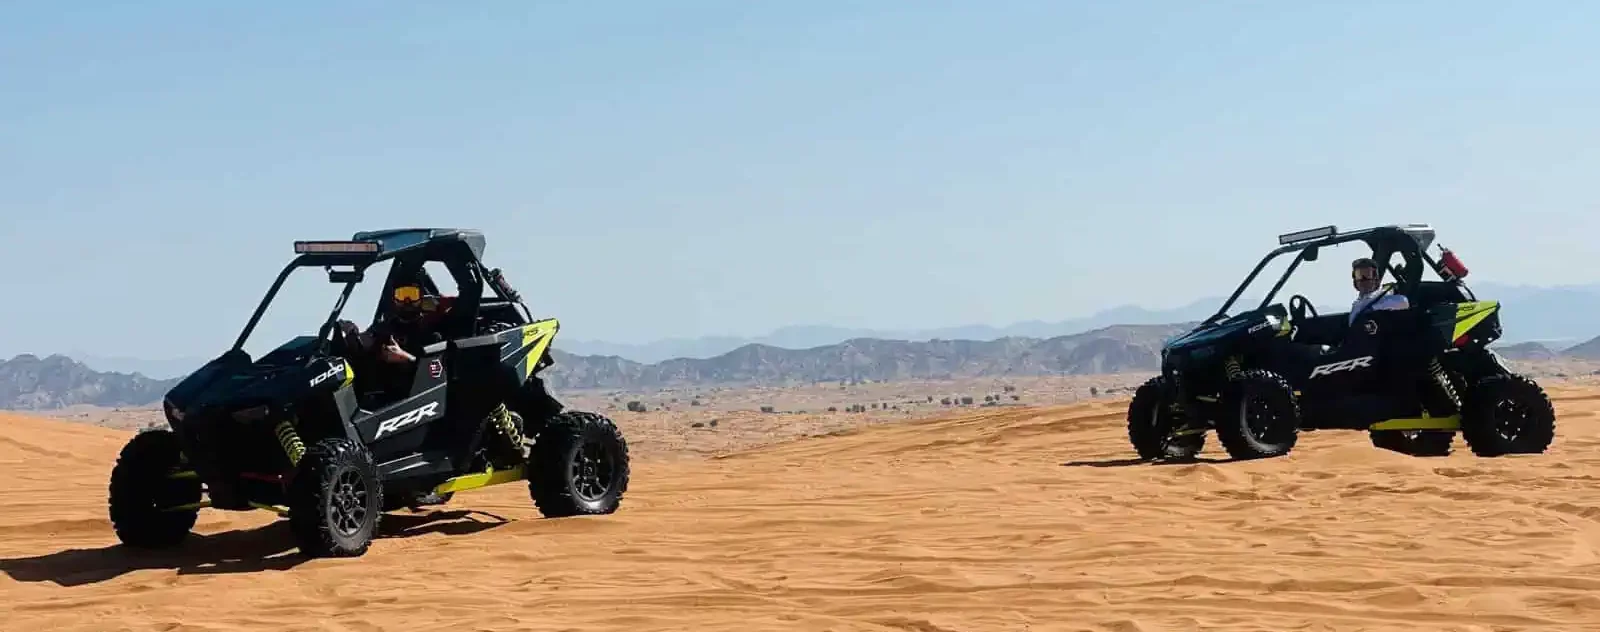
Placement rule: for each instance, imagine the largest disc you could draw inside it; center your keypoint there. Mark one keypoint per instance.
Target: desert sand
(1002, 518)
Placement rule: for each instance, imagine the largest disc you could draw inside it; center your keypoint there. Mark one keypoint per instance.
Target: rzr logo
(337, 369)
(1343, 365)
(390, 426)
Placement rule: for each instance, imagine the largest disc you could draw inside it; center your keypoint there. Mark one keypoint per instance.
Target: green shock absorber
(1441, 385)
(510, 439)
(290, 440)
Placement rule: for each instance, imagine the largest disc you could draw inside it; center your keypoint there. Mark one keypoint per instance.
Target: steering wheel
(1299, 305)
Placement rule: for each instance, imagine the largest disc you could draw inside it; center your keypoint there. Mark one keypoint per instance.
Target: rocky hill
(1526, 351)
(28, 382)
(1111, 349)
(1587, 351)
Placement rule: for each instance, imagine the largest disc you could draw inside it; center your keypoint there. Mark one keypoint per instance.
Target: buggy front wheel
(335, 499)
(580, 466)
(149, 507)
(1260, 416)
(1152, 426)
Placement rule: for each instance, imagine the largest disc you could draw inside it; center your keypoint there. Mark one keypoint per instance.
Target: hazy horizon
(727, 168)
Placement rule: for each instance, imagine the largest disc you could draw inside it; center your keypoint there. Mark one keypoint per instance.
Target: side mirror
(1310, 254)
(346, 276)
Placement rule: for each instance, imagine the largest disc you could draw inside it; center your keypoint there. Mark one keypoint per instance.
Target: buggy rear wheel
(580, 466)
(1261, 416)
(335, 499)
(1151, 426)
(142, 492)
(1507, 414)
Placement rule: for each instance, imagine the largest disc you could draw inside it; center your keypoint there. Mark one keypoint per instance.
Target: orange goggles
(407, 294)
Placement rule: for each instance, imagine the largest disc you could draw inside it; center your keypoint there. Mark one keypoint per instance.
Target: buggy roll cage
(1411, 241)
(410, 248)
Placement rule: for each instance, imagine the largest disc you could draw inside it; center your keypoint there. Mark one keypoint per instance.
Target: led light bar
(303, 247)
(1306, 235)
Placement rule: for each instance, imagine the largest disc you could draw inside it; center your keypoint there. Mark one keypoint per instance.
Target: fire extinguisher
(1453, 268)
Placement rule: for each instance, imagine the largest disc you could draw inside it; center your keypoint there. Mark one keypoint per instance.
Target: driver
(1365, 276)
(413, 324)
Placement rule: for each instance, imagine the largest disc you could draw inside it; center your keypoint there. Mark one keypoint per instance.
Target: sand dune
(1022, 520)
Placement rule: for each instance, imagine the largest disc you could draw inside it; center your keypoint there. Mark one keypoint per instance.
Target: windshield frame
(359, 262)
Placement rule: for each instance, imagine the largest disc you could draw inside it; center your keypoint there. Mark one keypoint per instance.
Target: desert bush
(966, 401)
(636, 406)
(767, 409)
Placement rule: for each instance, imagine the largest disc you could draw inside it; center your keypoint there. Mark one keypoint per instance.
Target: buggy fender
(1469, 315)
(528, 346)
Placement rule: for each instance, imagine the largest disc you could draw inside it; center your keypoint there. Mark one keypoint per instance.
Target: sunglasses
(1364, 274)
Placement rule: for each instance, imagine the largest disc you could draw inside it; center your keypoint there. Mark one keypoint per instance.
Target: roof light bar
(1307, 235)
(303, 247)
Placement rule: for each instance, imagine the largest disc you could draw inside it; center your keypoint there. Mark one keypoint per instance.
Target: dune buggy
(307, 430)
(1412, 378)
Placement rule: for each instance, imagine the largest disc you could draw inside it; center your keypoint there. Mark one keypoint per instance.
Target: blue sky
(656, 169)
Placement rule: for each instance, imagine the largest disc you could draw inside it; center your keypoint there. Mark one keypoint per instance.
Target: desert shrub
(966, 401)
(767, 409)
(636, 406)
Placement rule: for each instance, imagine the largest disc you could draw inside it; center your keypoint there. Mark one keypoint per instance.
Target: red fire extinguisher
(1454, 269)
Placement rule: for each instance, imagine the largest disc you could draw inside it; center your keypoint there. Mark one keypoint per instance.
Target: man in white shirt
(1364, 275)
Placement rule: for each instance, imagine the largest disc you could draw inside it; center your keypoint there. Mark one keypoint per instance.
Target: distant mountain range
(1113, 349)
(1554, 316)
(1560, 316)
(30, 382)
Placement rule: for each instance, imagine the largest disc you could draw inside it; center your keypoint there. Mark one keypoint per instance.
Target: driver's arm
(1392, 302)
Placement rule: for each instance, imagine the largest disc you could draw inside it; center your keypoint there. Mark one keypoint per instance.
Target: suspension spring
(1231, 365)
(1443, 380)
(290, 440)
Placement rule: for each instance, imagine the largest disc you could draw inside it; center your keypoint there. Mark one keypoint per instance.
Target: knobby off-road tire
(1260, 418)
(580, 466)
(140, 489)
(1151, 423)
(335, 499)
(1507, 414)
